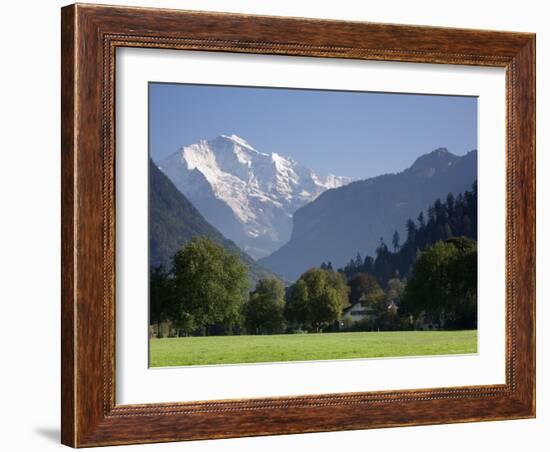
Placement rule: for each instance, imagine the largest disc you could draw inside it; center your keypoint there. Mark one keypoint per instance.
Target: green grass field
(304, 347)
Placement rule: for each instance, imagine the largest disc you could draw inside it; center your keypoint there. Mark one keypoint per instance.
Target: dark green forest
(452, 217)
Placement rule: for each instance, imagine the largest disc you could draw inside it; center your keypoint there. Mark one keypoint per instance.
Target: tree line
(437, 264)
(429, 279)
(452, 217)
(207, 292)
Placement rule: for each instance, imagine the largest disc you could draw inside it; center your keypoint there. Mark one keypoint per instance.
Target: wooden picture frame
(90, 36)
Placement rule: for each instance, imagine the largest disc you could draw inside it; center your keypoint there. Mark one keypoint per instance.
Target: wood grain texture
(68, 310)
(90, 36)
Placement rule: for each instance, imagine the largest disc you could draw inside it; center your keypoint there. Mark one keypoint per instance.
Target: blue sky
(357, 134)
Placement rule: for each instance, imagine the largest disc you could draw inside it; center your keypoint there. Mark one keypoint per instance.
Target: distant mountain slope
(353, 218)
(246, 194)
(173, 221)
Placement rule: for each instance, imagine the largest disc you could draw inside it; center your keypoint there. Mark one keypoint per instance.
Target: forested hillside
(451, 217)
(352, 218)
(174, 221)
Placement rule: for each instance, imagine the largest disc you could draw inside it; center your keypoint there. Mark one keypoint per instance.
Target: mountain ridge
(247, 194)
(173, 221)
(352, 218)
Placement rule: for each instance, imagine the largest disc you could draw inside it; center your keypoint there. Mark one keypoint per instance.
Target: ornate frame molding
(90, 36)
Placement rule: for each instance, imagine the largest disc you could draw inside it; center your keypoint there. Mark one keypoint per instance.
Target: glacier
(249, 195)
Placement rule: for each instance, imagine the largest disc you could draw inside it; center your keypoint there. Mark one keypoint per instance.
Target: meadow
(186, 351)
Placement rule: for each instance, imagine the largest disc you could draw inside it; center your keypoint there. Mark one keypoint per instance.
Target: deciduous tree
(443, 283)
(210, 283)
(317, 299)
(263, 313)
(361, 285)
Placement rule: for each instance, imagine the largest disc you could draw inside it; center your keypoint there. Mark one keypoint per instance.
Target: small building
(357, 312)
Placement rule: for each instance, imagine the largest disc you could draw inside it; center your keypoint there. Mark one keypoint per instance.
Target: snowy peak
(261, 190)
(237, 140)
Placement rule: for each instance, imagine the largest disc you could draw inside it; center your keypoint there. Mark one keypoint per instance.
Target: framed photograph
(281, 225)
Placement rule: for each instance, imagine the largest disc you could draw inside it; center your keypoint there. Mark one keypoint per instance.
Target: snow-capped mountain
(248, 195)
